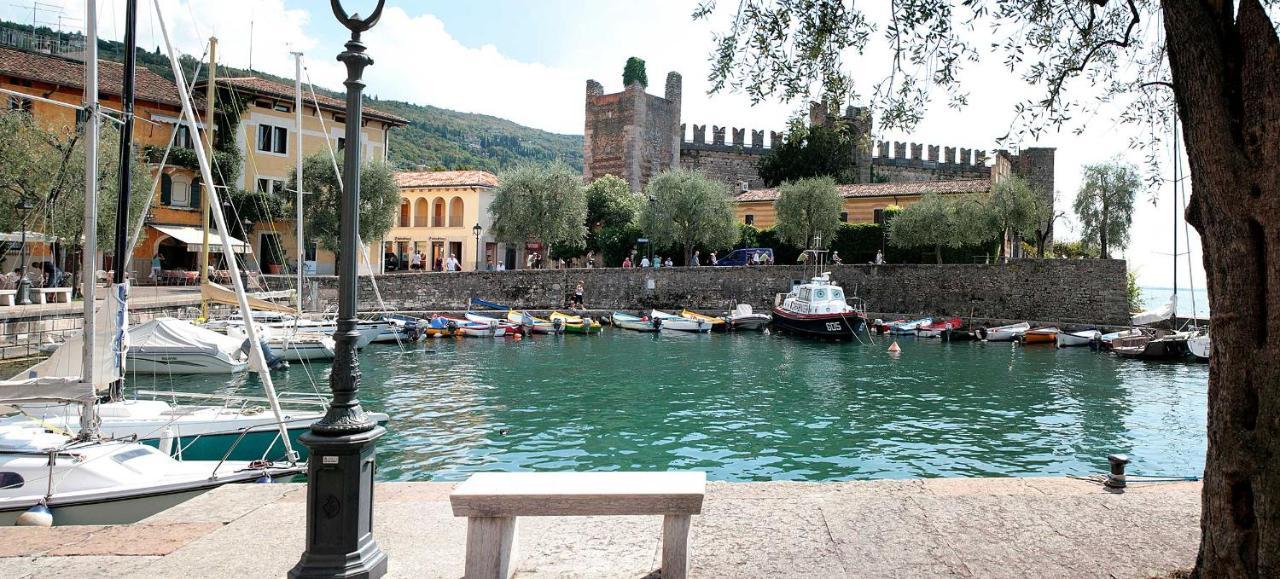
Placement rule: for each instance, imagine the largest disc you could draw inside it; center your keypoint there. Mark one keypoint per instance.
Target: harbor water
(753, 407)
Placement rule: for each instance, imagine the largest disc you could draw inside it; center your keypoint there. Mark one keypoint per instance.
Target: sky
(528, 61)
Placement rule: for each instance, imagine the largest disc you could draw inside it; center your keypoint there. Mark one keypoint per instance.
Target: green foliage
(241, 206)
(937, 222)
(542, 202)
(379, 200)
(612, 213)
(1077, 249)
(1104, 205)
(634, 72)
(226, 164)
(808, 211)
(688, 210)
(810, 152)
(1132, 294)
(1011, 209)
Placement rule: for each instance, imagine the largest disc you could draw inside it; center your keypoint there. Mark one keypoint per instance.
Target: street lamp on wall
(24, 283)
(476, 230)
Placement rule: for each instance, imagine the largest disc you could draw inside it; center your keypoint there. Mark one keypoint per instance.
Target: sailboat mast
(297, 108)
(1175, 222)
(121, 244)
(210, 97)
(88, 256)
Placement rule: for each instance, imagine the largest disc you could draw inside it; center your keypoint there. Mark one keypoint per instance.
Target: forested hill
(435, 138)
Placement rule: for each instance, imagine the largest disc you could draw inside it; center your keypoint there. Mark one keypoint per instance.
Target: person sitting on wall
(626, 262)
(696, 261)
(835, 258)
(803, 259)
(488, 266)
(668, 263)
(644, 263)
(879, 257)
(713, 261)
(591, 259)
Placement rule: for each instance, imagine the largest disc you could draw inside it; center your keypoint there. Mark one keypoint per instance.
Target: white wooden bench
(8, 297)
(53, 295)
(492, 501)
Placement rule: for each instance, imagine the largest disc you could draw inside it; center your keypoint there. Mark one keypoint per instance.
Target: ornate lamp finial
(353, 22)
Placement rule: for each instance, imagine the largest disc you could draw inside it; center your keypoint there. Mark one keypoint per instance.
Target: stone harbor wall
(1058, 291)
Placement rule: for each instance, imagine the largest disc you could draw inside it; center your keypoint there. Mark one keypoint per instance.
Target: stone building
(439, 211)
(635, 135)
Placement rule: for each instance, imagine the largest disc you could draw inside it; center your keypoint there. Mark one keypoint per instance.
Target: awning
(32, 237)
(194, 238)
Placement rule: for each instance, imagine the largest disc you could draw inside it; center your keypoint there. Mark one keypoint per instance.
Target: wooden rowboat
(1040, 336)
(717, 323)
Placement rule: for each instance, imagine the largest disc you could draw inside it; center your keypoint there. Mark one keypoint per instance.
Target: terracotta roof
(262, 86)
(69, 73)
(446, 179)
(886, 189)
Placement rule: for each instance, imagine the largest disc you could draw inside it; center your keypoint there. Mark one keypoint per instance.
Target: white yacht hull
(181, 363)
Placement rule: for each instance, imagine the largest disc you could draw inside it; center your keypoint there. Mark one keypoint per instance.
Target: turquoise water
(759, 407)
(1189, 301)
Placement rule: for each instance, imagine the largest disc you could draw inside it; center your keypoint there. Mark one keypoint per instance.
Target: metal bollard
(1116, 480)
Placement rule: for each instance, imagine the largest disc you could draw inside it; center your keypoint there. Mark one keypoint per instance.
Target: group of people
(659, 261)
(418, 261)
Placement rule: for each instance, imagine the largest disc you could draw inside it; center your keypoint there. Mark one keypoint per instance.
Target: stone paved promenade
(1029, 527)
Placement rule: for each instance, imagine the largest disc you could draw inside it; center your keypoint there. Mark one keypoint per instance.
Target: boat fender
(516, 336)
(265, 479)
(452, 325)
(36, 516)
(166, 442)
(895, 348)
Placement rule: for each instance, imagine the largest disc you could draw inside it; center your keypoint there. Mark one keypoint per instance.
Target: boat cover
(173, 335)
(1161, 313)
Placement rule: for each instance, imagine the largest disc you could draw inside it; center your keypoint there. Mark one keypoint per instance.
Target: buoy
(517, 337)
(37, 516)
(265, 479)
(894, 347)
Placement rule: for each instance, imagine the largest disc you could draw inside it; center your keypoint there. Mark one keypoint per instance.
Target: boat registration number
(833, 326)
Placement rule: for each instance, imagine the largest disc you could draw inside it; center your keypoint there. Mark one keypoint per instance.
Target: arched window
(166, 189)
(437, 213)
(420, 213)
(455, 212)
(404, 213)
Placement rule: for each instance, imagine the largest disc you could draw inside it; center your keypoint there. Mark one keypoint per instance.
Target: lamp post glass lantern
(24, 283)
(340, 470)
(476, 230)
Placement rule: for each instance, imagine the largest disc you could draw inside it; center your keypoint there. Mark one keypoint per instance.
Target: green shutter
(196, 190)
(166, 189)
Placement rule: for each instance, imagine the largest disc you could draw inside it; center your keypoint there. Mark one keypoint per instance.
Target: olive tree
(688, 209)
(613, 213)
(808, 212)
(542, 202)
(1213, 62)
(1011, 211)
(1104, 205)
(321, 209)
(936, 222)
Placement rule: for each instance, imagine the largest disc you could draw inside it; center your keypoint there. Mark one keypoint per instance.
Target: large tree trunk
(1226, 74)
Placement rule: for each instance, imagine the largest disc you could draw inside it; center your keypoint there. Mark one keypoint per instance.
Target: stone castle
(635, 135)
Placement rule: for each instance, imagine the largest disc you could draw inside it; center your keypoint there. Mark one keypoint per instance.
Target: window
(819, 294)
(183, 138)
(455, 212)
(166, 189)
(404, 213)
(749, 219)
(437, 213)
(273, 139)
(269, 185)
(342, 142)
(879, 216)
(181, 196)
(337, 118)
(844, 217)
(11, 480)
(310, 254)
(129, 455)
(420, 213)
(263, 104)
(282, 107)
(17, 103)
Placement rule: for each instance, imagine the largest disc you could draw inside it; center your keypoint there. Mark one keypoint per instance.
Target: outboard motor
(558, 325)
(273, 361)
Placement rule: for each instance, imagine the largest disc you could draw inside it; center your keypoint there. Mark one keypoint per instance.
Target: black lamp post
(24, 284)
(476, 230)
(340, 471)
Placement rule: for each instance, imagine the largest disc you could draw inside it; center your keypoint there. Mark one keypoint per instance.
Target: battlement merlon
(594, 89)
(731, 139)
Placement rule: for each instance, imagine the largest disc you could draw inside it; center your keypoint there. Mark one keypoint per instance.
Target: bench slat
(579, 494)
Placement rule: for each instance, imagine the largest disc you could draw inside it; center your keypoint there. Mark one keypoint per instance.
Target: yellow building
(158, 111)
(267, 138)
(863, 203)
(439, 213)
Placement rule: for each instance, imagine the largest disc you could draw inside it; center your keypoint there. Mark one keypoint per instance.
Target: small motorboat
(908, 328)
(1007, 333)
(960, 335)
(1078, 338)
(1200, 346)
(679, 324)
(576, 324)
(718, 324)
(291, 346)
(880, 326)
(405, 329)
(818, 310)
(470, 329)
(1106, 341)
(937, 327)
(742, 318)
(631, 322)
(172, 346)
(511, 328)
(1153, 345)
(1046, 335)
(535, 325)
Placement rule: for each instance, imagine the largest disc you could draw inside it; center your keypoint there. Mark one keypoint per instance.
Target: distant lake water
(1154, 297)
(757, 407)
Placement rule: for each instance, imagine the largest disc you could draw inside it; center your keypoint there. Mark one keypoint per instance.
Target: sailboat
(85, 478)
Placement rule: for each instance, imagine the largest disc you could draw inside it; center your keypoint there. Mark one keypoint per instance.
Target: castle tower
(631, 134)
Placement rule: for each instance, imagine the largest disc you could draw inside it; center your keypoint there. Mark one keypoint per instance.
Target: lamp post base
(340, 539)
(24, 291)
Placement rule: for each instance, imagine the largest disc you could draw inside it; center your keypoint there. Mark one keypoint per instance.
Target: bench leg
(675, 546)
(492, 552)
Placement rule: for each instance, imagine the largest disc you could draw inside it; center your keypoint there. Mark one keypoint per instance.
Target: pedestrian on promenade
(415, 261)
(591, 259)
(644, 262)
(696, 261)
(156, 263)
(657, 262)
(577, 295)
(452, 264)
(626, 262)
(713, 258)
(835, 258)
(879, 257)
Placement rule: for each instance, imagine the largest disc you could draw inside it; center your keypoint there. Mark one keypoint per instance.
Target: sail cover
(1161, 313)
(59, 377)
(171, 335)
(221, 294)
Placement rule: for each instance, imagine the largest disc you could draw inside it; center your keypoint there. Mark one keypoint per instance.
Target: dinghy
(1047, 335)
(1007, 333)
(1078, 338)
(629, 322)
(936, 328)
(536, 325)
(671, 322)
(576, 324)
(742, 318)
(718, 324)
(908, 328)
